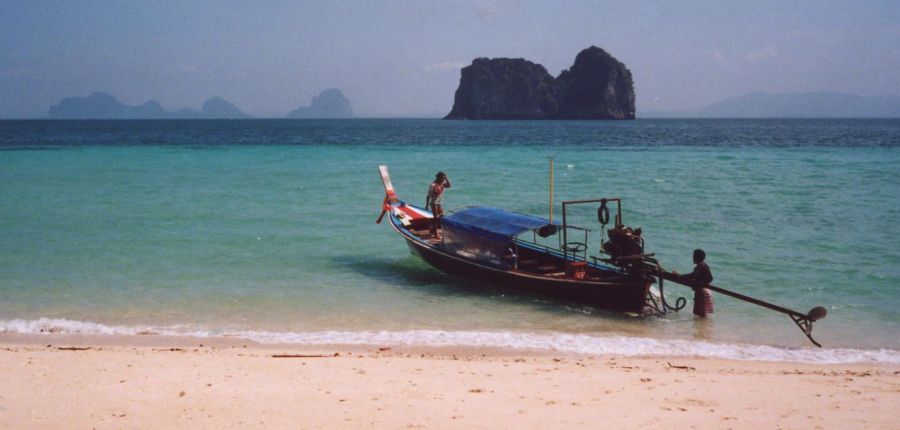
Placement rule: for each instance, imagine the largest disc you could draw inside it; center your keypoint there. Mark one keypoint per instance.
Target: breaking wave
(555, 342)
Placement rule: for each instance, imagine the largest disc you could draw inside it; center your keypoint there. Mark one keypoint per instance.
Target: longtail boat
(493, 246)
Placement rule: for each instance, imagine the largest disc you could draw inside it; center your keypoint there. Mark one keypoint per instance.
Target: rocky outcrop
(597, 86)
(330, 103)
(504, 88)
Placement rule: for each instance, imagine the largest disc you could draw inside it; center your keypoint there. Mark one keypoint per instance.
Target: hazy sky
(402, 58)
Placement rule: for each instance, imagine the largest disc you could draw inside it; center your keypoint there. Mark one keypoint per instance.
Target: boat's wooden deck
(424, 233)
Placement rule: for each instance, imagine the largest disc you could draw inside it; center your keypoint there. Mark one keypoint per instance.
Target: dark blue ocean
(264, 229)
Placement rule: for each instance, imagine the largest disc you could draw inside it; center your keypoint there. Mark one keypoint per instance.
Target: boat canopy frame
(490, 224)
(576, 247)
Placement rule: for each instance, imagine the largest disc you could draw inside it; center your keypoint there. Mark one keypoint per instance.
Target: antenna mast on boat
(551, 189)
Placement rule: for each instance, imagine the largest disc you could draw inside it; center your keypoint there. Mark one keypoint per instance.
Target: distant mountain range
(792, 105)
(330, 103)
(104, 106)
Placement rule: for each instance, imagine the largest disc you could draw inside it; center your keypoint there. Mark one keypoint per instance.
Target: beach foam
(550, 341)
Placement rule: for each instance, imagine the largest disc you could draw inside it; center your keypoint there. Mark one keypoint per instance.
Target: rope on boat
(663, 307)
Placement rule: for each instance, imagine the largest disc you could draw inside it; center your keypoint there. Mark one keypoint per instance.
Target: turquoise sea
(265, 229)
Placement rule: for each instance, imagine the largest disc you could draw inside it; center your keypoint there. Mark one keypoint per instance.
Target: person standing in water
(435, 199)
(699, 279)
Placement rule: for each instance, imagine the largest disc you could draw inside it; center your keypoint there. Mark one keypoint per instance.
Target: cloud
(446, 65)
(761, 54)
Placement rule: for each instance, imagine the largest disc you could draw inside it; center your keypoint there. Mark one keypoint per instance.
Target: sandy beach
(67, 381)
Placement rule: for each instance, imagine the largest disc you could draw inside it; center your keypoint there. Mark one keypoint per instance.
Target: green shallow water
(269, 225)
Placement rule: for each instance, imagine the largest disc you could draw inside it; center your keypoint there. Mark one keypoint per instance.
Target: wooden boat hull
(627, 294)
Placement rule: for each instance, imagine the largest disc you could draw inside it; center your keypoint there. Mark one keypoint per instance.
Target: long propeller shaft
(804, 321)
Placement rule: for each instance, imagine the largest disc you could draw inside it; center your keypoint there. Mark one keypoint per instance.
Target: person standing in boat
(699, 279)
(435, 199)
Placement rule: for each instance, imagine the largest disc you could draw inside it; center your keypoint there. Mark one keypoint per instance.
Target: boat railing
(571, 251)
(577, 249)
(518, 244)
(534, 234)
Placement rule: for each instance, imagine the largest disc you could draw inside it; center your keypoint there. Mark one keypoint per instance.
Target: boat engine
(624, 242)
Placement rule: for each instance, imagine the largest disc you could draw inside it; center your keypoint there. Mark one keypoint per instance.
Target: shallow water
(250, 227)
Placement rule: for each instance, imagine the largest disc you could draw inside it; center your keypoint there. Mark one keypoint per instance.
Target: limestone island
(104, 106)
(597, 86)
(330, 103)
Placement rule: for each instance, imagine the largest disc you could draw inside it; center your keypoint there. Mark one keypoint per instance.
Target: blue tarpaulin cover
(491, 223)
